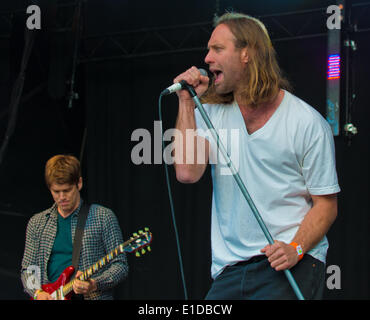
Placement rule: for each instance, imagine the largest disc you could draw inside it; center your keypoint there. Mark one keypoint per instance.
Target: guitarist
(50, 235)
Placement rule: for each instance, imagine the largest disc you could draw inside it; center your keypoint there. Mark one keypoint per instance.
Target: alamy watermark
(33, 277)
(141, 153)
(34, 20)
(333, 281)
(185, 151)
(334, 20)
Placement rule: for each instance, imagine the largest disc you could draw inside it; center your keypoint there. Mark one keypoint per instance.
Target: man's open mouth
(218, 75)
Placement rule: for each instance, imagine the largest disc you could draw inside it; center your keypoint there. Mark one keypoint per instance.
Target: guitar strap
(82, 217)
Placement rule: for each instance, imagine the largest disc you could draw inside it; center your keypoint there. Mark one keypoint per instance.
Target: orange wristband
(298, 248)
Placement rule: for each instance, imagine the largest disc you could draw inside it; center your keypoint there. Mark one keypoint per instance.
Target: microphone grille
(203, 72)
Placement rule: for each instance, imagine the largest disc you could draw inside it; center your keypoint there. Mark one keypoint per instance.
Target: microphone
(180, 85)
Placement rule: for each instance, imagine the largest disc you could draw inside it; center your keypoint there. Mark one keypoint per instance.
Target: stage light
(334, 67)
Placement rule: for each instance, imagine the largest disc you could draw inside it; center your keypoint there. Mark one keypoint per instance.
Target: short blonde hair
(62, 169)
(263, 78)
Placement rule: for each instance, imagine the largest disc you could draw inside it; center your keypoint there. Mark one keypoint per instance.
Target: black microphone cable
(171, 203)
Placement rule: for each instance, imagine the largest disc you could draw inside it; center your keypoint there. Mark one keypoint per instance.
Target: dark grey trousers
(256, 280)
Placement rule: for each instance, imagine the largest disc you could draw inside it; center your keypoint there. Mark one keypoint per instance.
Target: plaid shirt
(101, 235)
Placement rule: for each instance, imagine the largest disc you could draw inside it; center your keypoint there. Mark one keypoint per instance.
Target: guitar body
(55, 289)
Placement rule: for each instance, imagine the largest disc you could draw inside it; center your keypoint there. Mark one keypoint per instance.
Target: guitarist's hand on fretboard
(83, 287)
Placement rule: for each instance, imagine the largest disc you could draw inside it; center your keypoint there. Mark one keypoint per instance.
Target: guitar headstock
(139, 242)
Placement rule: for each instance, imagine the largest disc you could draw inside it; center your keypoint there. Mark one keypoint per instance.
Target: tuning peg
(143, 251)
(135, 234)
(149, 248)
(146, 229)
(141, 232)
(137, 254)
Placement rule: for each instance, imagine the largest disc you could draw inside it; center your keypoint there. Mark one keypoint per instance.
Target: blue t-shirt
(61, 255)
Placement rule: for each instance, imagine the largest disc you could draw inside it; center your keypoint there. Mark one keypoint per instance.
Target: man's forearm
(317, 222)
(314, 226)
(191, 151)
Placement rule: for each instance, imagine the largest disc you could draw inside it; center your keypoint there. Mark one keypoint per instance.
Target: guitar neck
(133, 244)
(95, 267)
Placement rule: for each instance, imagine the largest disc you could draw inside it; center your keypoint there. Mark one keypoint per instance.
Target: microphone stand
(240, 183)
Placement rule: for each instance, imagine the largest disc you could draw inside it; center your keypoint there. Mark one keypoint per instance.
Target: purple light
(334, 67)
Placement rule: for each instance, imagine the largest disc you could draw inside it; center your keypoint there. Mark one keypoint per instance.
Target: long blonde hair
(263, 78)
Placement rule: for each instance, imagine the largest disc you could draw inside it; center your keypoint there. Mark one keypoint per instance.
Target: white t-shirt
(290, 158)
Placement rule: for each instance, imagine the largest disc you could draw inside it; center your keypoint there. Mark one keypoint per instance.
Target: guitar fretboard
(96, 267)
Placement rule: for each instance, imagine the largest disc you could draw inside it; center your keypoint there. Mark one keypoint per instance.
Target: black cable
(171, 204)
(29, 38)
(73, 95)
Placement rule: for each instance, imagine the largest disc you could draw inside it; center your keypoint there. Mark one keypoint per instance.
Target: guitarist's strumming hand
(42, 295)
(84, 287)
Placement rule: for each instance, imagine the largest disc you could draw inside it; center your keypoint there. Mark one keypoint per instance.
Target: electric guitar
(62, 289)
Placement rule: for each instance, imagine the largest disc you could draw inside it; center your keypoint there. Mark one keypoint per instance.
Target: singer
(287, 162)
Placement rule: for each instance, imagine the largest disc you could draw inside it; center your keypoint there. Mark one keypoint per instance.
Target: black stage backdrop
(118, 98)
